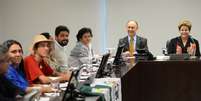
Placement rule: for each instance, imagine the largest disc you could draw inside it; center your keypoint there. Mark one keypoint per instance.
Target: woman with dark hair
(185, 43)
(15, 73)
(7, 89)
(82, 53)
(15, 52)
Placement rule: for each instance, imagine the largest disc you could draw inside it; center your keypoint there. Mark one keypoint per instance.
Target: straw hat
(39, 38)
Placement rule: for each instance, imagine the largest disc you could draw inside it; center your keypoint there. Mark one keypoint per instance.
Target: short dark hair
(82, 31)
(9, 43)
(61, 28)
(46, 34)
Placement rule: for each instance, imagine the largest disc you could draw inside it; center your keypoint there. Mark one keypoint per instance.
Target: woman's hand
(178, 50)
(191, 49)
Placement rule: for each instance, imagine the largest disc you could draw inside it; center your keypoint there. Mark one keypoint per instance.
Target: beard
(63, 42)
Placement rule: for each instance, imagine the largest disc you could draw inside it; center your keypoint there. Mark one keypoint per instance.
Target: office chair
(165, 50)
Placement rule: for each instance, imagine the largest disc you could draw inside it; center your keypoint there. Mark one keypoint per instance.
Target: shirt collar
(57, 44)
(83, 45)
(134, 37)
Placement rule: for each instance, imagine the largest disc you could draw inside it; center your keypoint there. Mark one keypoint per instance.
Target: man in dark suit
(132, 41)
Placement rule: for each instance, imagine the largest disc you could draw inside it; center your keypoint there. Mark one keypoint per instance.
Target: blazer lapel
(126, 42)
(137, 42)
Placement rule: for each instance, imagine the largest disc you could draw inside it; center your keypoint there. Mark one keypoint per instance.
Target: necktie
(131, 49)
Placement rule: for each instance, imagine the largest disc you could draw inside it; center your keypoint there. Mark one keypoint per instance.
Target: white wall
(1, 24)
(24, 18)
(1, 34)
(158, 19)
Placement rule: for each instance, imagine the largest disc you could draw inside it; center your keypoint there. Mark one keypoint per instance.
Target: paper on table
(51, 94)
(53, 78)
(44, 99)
(63, 85)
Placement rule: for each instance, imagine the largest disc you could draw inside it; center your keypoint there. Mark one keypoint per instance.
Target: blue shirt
(13, 75)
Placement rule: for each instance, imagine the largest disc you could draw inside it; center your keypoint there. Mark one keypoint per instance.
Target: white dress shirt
(60, 54)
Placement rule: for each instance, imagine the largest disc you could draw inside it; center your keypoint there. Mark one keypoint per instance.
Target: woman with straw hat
(36, 69)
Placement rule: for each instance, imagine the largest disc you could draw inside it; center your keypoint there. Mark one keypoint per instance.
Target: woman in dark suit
(184, 43)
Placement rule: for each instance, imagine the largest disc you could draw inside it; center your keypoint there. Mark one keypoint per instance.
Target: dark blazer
(7, 90)
(141, 43)
(173, 44)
